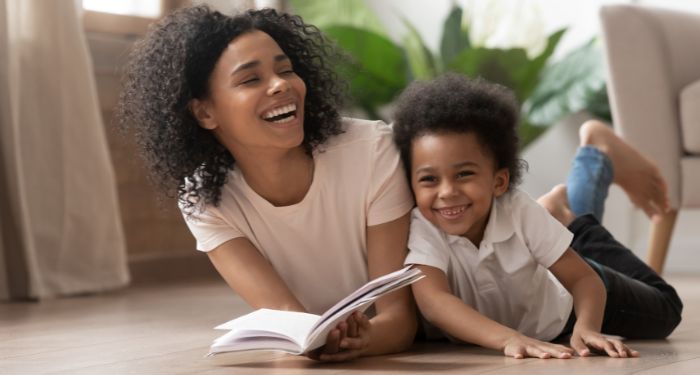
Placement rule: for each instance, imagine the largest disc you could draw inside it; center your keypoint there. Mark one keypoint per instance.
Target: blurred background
(99, 224)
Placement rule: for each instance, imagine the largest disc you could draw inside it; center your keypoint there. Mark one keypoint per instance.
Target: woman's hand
(348, 341)
(583, 339)
(520, 346)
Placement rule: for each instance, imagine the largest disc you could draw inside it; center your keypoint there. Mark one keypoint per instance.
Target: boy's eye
(464, 174)
(427, 179)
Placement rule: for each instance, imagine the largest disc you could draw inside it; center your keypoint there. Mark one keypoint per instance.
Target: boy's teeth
(279, 111)
(451, 211)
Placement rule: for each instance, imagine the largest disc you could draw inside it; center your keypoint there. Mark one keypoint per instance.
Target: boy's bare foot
(638, 176)
(557, 203)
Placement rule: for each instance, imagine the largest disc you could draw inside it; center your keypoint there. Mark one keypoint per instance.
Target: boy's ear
(501, 182)
(201, 110)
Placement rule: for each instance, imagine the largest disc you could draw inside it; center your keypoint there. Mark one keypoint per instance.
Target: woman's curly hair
(453, 103)
(172, 65)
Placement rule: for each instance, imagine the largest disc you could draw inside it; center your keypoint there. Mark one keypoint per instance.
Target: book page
(293, 325)
(360, 300)
(376, 287)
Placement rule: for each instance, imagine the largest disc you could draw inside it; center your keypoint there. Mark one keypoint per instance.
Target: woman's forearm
(393, 329)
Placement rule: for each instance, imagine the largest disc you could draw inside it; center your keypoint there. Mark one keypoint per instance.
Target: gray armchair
(653, 62)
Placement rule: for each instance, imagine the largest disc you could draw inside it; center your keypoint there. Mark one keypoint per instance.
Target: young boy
(502, 272)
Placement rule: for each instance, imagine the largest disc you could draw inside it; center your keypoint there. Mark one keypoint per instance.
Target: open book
(298, 332)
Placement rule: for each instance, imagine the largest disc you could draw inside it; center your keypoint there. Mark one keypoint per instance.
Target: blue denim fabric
(588, 182)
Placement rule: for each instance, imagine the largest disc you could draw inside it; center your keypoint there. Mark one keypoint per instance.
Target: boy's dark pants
(640, 304)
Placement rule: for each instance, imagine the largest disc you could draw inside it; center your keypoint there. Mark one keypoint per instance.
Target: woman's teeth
(281, 114)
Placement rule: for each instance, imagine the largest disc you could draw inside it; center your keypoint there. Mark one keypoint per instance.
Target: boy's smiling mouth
(451, 212)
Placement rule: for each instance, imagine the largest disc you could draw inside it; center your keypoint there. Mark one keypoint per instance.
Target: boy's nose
(447, 190)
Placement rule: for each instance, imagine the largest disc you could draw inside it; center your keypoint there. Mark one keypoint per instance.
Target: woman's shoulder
(358, 130)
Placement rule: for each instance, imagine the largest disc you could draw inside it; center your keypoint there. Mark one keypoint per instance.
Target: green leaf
(338, 12)
(455, 39)
(377, 72)
(566, 86)
(530, 76)
(503, 66)
(419, 57)
(529, 133)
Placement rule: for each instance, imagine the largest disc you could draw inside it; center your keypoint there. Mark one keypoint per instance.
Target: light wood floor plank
(167, 330)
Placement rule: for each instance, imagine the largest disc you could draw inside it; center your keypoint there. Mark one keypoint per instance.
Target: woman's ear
(501, 182)
(201, 110)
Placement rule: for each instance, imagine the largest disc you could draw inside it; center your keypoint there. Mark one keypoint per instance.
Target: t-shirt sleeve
(426, 244)
(389, 194)
(544, 235)
(209, 228)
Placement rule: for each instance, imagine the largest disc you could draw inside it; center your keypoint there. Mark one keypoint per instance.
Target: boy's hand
(583, 339)
(348, 341)
(520, 346)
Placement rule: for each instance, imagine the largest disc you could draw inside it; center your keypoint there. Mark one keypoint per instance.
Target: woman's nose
(278, 85)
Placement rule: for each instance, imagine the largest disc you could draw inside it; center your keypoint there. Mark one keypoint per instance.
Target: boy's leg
(640, 304)
(605, 157)
(588, 182)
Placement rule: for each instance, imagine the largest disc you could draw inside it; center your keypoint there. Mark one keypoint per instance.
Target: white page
(292, 324)
(362, 291)
(229, 342)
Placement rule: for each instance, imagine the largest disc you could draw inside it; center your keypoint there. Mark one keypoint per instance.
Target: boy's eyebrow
(464, 164)
(254, 63)
(461, 164)
(429, 168)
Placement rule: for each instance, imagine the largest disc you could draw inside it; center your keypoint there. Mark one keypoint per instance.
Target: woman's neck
(283, 179)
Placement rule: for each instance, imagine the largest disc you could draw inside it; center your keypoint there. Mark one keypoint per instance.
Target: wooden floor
(167, 330)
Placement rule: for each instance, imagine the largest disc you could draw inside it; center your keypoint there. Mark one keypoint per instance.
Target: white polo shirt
(506, 277)
(319, 245)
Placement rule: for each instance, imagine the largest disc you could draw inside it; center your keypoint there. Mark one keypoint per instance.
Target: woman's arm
(394, 326)
(252, 277)
(589, 295)
(447, 312)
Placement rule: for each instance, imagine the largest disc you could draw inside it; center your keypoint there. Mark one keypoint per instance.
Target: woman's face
(256, 100)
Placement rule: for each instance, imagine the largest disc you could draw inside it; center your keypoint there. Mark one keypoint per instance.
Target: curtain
(60, 228)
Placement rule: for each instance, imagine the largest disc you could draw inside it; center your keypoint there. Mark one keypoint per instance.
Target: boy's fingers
(622, 350)
(608, 347)
(580, 347)
(537, 353)
(519, 354)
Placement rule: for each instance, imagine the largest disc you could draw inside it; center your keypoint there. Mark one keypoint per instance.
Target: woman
(295, 207)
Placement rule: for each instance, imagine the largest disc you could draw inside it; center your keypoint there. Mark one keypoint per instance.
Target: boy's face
(455, 180)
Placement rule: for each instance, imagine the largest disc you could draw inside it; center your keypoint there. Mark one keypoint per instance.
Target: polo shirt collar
(498, 229)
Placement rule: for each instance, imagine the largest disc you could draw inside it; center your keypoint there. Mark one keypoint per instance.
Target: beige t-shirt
(319, 245)
(506, 278)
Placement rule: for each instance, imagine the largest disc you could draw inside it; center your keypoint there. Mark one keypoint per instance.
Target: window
(139, 8)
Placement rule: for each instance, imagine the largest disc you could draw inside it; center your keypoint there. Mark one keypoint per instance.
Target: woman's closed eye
(287, 71)
(248, 80)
